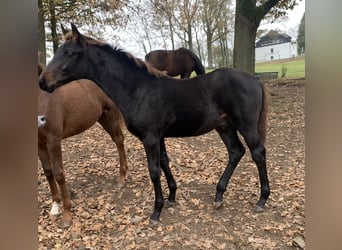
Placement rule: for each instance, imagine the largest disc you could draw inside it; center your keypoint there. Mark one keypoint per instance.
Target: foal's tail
(199, 68)
(262, 123)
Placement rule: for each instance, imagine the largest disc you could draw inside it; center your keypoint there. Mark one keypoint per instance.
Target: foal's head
(68, 63)
(78, 57)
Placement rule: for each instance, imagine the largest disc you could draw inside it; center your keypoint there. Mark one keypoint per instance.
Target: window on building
(271, 57)
(271, 50)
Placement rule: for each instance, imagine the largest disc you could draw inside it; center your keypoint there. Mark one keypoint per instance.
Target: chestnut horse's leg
(55, 152)
(164, 164)
(111, 122)
(236, 151)
(152, 149)
(45, 160)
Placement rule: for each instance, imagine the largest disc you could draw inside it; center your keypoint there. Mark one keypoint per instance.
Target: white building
(275, 46)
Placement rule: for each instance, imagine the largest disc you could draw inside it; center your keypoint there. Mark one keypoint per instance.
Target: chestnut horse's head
(68, 63)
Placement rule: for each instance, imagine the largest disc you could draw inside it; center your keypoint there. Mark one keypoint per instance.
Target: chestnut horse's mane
(137, 62)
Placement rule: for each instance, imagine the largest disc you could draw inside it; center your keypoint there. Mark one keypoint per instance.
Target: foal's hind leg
(110, 121)
(236, 151)
(45, 160)
(164, 164)
(258, 152)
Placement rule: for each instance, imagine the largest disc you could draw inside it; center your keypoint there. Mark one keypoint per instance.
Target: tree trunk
(171, 32)
(41, 35)
(191, 47)
(210, 49)
(53, 24)
(224, 52)
(198, 46)
(247, 20)
(244, 43)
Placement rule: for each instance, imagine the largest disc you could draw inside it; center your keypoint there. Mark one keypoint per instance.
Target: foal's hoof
(218, 205)
(154, 223)
(121, 185)
(65, 224)
(169, 204)
(259, 209)
(71, 192)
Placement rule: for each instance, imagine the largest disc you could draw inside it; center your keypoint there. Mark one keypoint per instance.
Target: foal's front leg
(152, 149)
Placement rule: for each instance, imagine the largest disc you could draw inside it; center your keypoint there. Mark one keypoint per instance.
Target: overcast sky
(291, 24)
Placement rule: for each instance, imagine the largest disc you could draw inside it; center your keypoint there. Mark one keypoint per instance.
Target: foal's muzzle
(43, 85)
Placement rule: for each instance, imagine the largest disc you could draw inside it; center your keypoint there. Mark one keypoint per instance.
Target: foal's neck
(119, 79)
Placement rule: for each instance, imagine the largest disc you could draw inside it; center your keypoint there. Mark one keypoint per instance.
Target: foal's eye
(68, 53)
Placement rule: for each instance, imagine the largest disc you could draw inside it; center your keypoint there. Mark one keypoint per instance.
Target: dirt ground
(108, 217)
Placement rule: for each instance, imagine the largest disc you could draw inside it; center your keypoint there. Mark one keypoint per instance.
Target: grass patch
(294, 67)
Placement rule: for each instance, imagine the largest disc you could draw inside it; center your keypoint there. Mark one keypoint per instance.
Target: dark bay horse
(156, 106)
(68, 111)
(176, 62)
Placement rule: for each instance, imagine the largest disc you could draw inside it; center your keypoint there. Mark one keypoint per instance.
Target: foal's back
(72, 108)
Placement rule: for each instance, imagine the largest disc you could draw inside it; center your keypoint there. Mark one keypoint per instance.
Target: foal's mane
(126, 56)
(134, 61)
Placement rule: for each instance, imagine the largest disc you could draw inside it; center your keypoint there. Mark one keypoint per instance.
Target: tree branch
(266, 7)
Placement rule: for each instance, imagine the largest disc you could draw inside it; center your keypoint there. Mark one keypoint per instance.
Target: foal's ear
(67, 33)
(77, 36)
(64, 30)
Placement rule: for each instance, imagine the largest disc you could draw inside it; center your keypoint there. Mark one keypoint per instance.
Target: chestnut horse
(176, 62)
(156, 106)
(69, 111)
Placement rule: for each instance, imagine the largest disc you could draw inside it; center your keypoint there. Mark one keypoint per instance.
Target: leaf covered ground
(108, 217)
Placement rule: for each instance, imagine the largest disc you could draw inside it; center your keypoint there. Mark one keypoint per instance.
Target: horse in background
(69, 111)
(176, 62)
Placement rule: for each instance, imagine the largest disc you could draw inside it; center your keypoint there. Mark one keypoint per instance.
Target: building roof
(271, 38)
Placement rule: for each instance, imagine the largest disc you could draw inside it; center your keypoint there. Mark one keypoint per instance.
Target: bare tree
(198, 24)
(146, 25)
(224, 54)
(41, 35)
(164, 17)
(187, 10)
(142, 30)
(88, 13)
(181, 16)
(215, 18)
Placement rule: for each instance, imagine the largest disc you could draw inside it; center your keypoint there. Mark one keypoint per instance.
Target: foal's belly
(194, 125)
